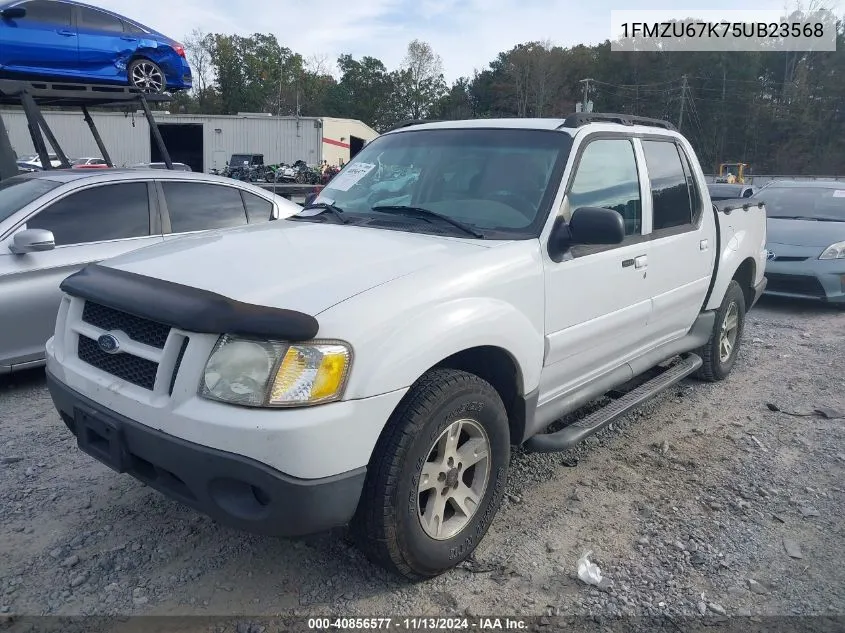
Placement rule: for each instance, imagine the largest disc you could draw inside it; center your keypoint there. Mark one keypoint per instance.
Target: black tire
(716, 368)
(387, 526)
(147, 68)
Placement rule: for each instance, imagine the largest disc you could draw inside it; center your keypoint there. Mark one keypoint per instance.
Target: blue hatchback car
(61, 40)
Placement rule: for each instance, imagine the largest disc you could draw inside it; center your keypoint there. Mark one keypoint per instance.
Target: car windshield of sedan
(804, 203)
(499, 182)
(16, 193)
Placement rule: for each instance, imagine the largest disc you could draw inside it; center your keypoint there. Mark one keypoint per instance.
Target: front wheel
(147, 76)
(720, 352)
(437, 476)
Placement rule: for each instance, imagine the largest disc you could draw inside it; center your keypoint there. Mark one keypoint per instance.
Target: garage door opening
(184, 143)
(355, 145)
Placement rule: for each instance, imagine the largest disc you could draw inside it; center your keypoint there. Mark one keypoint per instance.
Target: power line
(634, 86)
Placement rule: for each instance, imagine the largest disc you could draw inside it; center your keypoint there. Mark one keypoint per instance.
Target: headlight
(834, 251)
(276, 374)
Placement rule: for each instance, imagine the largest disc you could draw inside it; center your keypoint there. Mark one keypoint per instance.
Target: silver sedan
(52, 223)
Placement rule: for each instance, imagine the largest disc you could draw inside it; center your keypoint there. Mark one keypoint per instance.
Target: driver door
(597, 299)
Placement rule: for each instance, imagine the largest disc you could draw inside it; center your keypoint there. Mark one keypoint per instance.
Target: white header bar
(684, 30)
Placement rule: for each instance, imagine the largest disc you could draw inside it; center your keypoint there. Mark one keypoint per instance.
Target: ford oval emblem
(109, 344)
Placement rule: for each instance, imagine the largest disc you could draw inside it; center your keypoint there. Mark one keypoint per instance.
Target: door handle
(637, 262)
(66, 33)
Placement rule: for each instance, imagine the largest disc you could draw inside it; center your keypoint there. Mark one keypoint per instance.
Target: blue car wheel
(146, 76)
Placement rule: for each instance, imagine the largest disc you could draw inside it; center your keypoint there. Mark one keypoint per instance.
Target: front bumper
(234, 490)
(821, 280)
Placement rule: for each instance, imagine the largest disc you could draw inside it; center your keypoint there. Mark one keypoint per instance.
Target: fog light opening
(260, 496)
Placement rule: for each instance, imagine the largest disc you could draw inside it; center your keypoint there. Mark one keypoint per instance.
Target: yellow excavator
(741, 173)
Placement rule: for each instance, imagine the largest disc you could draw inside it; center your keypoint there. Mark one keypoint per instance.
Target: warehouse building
(204, 142)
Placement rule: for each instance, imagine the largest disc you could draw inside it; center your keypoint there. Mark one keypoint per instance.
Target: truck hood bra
(300, 266)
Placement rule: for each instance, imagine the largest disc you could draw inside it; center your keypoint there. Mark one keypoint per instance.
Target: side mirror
(13, 13)
(32, 241)
(596, 225)
(589, 225)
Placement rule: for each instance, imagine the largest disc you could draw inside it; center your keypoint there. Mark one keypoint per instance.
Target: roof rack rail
(583, 118)
(411, 122)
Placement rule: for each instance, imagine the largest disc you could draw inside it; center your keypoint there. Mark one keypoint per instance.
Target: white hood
(296, 265)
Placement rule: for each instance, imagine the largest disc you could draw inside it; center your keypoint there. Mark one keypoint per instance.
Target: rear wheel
(146, 76)
(437, 476)
(720, 352)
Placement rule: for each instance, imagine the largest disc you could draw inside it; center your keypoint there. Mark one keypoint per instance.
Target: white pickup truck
(455, 290)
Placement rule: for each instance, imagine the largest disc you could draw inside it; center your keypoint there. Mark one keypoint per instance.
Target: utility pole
(683, 102)
(586, 83)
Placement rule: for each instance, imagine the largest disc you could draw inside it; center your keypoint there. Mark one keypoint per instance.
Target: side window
(257, 209)
(107, 212)
(692, 185)
(54, 13)
(606, 176)
(196, 206)
(99, 21)
(669, 189)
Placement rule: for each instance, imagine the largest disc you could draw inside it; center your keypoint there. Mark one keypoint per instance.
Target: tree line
(782, 112)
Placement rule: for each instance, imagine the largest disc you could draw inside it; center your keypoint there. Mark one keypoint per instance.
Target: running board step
(571, 435)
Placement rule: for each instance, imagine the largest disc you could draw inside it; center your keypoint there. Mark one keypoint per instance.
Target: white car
(33, 163)
(52, 223)
(373, 358)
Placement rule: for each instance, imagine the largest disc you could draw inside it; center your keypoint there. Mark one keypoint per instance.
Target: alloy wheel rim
(454, 479)
(147, 77)
(728, 334)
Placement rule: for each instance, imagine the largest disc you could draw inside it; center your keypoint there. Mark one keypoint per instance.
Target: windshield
(500, 182)
(804, 202)
(16, 193)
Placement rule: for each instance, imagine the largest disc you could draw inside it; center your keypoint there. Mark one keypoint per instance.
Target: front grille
(142, 330)
(138, 371)
(178, 364)
(795, 284)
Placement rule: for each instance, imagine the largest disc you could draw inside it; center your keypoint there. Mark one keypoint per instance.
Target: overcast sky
(467, 34)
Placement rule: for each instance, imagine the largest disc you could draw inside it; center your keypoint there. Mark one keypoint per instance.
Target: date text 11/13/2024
(417, 624)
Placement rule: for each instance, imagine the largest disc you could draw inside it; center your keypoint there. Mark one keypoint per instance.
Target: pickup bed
(454, 291)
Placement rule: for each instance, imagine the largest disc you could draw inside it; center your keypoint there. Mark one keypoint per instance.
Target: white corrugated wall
(280, 139)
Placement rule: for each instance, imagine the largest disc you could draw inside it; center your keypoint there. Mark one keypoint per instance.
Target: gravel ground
(702, 502)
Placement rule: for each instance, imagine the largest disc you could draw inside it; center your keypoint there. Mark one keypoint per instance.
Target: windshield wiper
(337, 212)
(420, 212)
